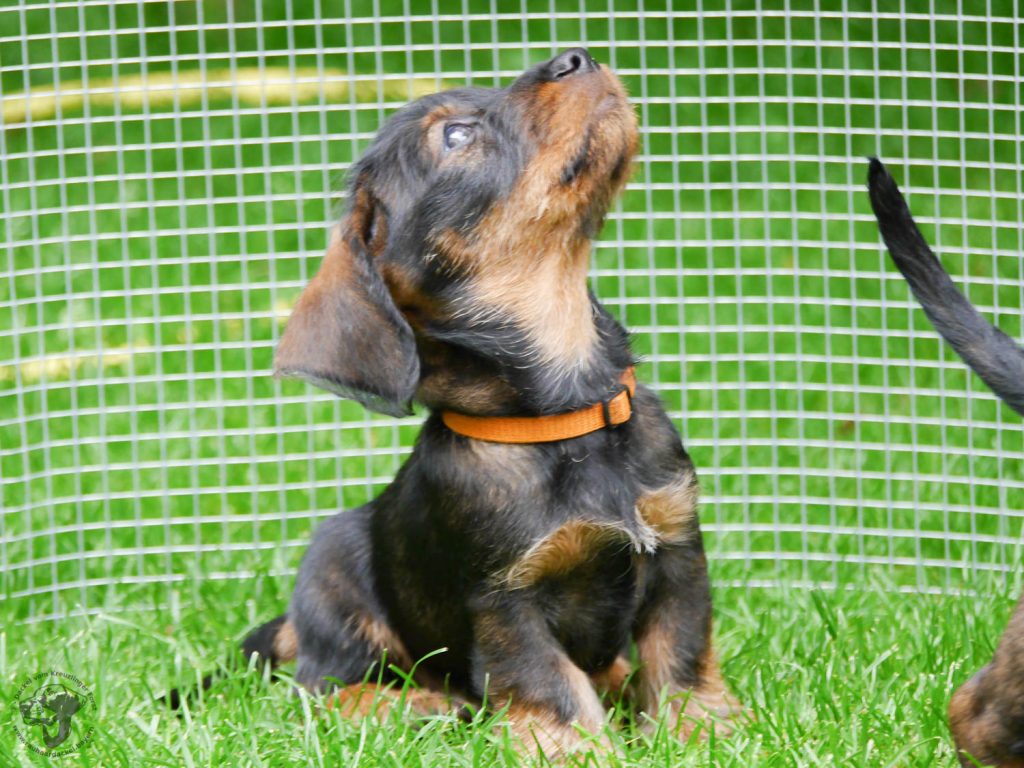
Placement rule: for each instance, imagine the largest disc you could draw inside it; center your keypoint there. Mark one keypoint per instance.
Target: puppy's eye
(457, 135)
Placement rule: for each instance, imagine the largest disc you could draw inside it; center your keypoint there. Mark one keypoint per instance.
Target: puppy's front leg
(673, 636)
(518, 662)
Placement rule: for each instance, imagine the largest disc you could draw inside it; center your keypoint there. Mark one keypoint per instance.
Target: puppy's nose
(575, 61)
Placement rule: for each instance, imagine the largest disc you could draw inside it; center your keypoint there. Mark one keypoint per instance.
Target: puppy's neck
(549, 300)
(531, 339)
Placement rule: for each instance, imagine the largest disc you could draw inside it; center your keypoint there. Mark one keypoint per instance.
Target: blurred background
(168, 172)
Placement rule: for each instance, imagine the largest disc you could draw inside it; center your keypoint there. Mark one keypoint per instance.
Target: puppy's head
(462, 196)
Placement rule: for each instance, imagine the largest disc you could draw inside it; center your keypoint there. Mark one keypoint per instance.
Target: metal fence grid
(167, 175)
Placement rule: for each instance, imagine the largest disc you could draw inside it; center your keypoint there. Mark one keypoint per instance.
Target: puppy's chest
(580, 546)
(585, 523)
(527, 514)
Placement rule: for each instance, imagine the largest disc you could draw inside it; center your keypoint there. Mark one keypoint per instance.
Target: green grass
(837, 441)
(848, 678)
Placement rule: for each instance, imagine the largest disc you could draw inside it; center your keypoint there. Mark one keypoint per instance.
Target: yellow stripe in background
(253, 86)
(62, 366)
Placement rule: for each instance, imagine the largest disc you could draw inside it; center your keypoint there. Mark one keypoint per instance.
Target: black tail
(991, 353)
(273, 642)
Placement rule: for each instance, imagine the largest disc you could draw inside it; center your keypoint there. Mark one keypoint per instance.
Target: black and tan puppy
(986, 714)
(458, 279)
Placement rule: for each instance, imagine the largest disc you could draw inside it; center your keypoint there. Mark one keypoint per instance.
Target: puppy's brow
(446, 112)
(438, 113)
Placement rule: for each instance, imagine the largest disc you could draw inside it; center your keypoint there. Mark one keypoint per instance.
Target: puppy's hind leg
(341, 628)
(343, 638)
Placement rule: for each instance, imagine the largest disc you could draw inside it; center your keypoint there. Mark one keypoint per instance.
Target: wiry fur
(458, 279)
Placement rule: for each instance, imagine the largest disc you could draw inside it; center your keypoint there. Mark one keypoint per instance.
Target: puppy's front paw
(697, 713)
(539, 731)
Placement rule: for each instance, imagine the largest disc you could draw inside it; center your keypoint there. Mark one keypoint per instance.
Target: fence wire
(168, 172)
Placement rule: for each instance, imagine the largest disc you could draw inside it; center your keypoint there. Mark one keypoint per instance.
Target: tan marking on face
(670, 511)
(432, 126)
(415, 306)
(528, 256)
(562, 114)
(458, 246)
(532, 274)
(286, 643)
(437, 114)
(563, 550)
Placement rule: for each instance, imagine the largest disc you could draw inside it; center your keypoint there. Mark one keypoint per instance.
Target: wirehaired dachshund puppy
(458, 279)
(986, 714)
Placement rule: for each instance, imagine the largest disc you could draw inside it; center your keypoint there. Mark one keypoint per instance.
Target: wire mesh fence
(168, 172)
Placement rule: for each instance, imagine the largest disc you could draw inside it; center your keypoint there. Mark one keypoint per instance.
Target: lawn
(159, 486)
(854, 677)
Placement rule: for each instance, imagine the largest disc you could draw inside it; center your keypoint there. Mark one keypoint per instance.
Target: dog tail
(991, 353)
(273, 643)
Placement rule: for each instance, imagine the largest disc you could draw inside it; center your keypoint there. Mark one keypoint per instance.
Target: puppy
(546, 519)
(986, 714)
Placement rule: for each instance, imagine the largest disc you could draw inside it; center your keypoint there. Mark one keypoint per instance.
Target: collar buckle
(606, 405)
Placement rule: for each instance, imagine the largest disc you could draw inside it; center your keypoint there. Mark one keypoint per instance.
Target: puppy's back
(991, 353)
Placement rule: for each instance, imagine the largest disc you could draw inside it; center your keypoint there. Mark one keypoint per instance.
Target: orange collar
(545, 429)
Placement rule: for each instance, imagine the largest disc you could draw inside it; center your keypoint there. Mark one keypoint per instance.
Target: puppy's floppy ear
(345, 334)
